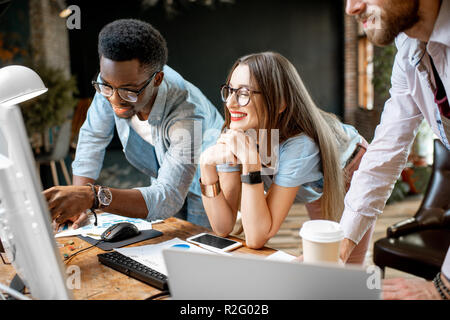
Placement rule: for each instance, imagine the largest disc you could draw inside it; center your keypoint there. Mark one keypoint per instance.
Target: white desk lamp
(18, 84)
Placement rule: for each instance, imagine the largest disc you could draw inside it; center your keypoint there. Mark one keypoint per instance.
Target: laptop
(203, 276)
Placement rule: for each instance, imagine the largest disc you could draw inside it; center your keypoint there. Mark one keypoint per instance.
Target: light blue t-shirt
(299, 164)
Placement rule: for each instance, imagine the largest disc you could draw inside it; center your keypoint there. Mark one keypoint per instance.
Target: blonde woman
(265, 98)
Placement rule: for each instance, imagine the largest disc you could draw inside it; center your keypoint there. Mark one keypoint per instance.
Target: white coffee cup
(321, 241)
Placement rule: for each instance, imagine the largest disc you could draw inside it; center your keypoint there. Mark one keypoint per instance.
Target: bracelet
(211, 190)
(95, 204)
(442, 284)
(437, 281)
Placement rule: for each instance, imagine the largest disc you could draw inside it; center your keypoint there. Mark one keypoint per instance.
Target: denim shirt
(183, 123)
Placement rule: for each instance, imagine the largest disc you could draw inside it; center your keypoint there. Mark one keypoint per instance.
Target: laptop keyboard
(133, 269)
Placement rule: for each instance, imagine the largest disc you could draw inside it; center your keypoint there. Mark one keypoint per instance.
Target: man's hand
(346, 249)
(79, 221)
(409, 289)
(67, 202)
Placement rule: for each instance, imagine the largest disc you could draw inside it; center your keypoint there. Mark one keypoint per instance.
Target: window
(365, 72)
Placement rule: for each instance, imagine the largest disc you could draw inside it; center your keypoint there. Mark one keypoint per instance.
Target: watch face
(104, 196)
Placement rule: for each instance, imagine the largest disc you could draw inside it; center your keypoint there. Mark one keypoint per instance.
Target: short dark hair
(128, 39)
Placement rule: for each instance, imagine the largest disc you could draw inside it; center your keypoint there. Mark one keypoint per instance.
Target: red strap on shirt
(440, 97)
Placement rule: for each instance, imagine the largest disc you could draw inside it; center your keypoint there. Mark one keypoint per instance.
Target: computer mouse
(120, 231)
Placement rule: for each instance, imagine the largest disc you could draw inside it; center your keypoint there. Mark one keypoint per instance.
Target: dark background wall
(14, 33)
(203, 44)
(205, 41)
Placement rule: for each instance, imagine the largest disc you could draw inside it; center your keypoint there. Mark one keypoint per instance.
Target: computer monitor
(25, 223)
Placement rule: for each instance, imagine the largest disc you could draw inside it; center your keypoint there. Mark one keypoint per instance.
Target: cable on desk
(67, 260)
(158, 295)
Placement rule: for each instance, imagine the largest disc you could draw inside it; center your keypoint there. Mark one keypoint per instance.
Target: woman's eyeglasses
(243, 94)
(129, 95)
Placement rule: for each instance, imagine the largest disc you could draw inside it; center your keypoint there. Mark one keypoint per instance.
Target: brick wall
(350, 69)
(365, 121)
(49, 38)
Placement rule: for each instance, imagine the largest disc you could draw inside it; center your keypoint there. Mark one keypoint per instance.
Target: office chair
(418, 245)
(58, 153)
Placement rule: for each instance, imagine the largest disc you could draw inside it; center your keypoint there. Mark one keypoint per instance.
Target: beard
(384, 24)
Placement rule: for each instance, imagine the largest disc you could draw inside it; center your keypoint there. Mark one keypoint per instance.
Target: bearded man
(420, 87)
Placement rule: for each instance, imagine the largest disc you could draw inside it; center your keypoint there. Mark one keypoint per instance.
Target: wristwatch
(210, 190)
(253, 177)
(104, 196)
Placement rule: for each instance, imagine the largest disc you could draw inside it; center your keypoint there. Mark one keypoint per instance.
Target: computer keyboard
(134, 269)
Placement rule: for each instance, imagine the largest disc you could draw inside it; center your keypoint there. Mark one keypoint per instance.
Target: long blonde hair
(281, 86)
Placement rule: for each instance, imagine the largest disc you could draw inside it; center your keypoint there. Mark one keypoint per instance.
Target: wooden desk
(99, 282)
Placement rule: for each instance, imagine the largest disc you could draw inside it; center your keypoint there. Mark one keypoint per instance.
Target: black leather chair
(418, 245)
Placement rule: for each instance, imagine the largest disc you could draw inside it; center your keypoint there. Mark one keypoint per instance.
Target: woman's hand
(217, 154)
(243, 147)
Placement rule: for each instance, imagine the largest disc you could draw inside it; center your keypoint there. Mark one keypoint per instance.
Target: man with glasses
(420, 90)
(163, 123)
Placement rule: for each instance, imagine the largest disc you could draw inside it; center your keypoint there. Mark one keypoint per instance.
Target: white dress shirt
(412, 100)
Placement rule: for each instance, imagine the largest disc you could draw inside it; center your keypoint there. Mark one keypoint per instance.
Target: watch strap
(253, 177)
(210, 190)
(95, 204)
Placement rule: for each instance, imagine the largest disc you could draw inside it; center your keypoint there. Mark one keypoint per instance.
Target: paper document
(104, 221)
(281, 256)
(151, 255)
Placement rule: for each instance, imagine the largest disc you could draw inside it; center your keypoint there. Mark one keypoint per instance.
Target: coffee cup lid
(321, 231)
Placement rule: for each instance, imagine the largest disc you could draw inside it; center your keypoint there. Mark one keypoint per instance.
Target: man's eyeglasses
(242, 94)
(129, 95)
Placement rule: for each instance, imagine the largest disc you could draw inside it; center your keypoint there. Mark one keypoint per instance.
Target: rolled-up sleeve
(166, 195)
(446, 265)
(95, 134)
(299, 162)
(384, 160)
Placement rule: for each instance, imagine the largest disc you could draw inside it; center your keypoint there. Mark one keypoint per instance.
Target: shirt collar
(440, 34)
(416, 51)
(441, 30)
(158, 108)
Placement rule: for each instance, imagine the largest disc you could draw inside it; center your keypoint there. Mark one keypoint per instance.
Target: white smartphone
(214, 243)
